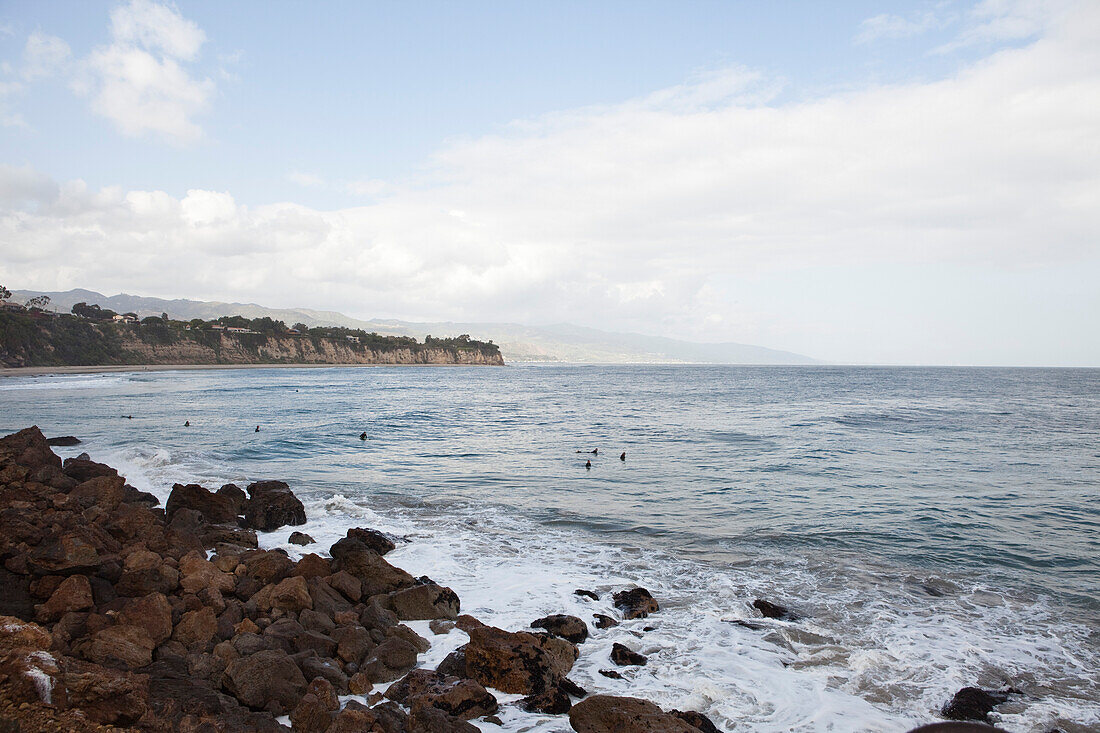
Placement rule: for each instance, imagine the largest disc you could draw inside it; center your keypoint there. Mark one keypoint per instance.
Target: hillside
(562, 342)
(41, 339)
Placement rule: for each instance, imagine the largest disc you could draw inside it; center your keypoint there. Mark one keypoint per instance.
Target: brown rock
(196, 628)
(389, 660)
(697, 720)
(152, 613)
(196, 573)
(426, 601)
(375, 574)
(29, 672)
(635, 603)
(372, 538)
(72, 594)
(768, 609)
(82, 469)
(214, 508)
(121, 645)
(624, 656)
(347, 584)
(441, 626)
(518, 662)
(300, 538)
(610, 714)
(105, 695)
(315, 711)
(267, 567)
(103, 491)
(313, 565)
(569, 628)
(426, 719)
(603, 621)
(463, 698)
(270, 505)
(291, 594)
(267, 680)
(552, 701)
(353, 643)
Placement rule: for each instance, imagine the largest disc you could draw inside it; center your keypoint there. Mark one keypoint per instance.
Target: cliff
(28, 340)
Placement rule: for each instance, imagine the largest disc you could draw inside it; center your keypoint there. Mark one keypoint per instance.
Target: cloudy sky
(871, 182)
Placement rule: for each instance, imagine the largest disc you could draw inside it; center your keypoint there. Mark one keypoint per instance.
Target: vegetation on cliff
(92, 336)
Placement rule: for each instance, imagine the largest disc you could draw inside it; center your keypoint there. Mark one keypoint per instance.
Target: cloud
(662, 214)
(140, 81)
(308, 180)
(44, 56)
(890, 26)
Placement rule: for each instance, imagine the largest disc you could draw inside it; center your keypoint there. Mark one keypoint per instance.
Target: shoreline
(124, 368)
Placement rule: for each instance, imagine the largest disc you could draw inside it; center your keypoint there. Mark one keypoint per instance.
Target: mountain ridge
(564, 342)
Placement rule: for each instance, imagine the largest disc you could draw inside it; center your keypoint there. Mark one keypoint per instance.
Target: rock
(454, 664)
(28, 670)
(389, 660)
(401, 631)
(465, 622)
(569, 628)
(376, 575)
(300, 538)
(624, 656)
(284, 634)
(519, 662)
(196, 628)
(73, 594)
(696, 720)
(329, 669)
(63, 440)
(120, 645)
(353, 643)
(270, 505)
(611, 674)
(214, 508)
(553, 701)
(964, 728)
(65, 552)
(347, 584)
(611, 714)
(146, 572)
(973, 703)
(267, 566)
(441, 626)
(196, 573)
(463, 698)
(586, 594)
(427, 601)
(102, 491)
(235, 494)
(426, 719)
(372, 538)
(316, 709)
(291, 594)
(325, 599)
(16, 599)
(83, 469)
(104, 695)
(635, 603)
(772, 610)
(152, 613)
(604, 622)
(313, 565)
(267, 680)
(315, 621)
(28, 448)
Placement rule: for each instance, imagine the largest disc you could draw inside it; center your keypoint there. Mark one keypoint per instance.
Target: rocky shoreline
(117, 614)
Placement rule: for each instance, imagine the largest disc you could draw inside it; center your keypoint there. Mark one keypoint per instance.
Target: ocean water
(932, 528)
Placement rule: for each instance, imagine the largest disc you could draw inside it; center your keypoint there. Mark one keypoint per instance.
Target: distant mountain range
(561, 342)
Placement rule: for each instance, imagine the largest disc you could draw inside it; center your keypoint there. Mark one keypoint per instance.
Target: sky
(861, 182)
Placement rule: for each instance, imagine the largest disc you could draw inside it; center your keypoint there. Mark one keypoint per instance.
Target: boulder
(611, 714)
(64, 552)
(313, 565)
(63, 440)
(196, 573)
(122, 645)
(635, 603)
(106, 492)
(462, 698)
(697, 720)
(973, 703)
(214, 508)
(104, 695)
(517, 662)
(270, 505)
(569, 628)
(591, 595)
(290, 594)
(316, 709)
(372, 538)
(28, 448)
(426, 719)
(374, 573)
(268, 566)
(73, 594)
(300, 538)
(267, 680)
(196, 628)
(358, 718)
(603, 621)
(27, 668)
(768, 609)
(347, 584)
(389, 660)
(83, 469)
(235, 494)
(624, 656)
(426, 601)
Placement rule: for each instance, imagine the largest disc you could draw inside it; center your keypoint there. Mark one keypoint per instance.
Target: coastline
(123, 368)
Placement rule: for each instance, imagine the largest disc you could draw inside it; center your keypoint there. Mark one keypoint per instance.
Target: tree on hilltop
(39, 301)
(4, 293)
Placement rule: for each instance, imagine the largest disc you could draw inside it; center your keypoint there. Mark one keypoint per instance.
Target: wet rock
(973, 703)
(235, 494)
(300, 538)
(267, 680)
(696, 720)
(463, 698)
(768, 609)
(518, 662)
(270, 505)
(73, 594)
(372, 538)
(63, 440)
(389, 660)
(553, 701)
(964, 728)
(316, 709)
(610, 714)
(603, 621)
(83, 469)
(586, 594)
(610, 673)
(426, 601)
(635, 603)
(376, 575)
(426, 719)
(454, 664)
(624, 656)
(441, 626)
(106, 492)
(569, 628)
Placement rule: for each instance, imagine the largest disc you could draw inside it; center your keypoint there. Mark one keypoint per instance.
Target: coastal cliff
(41, 340)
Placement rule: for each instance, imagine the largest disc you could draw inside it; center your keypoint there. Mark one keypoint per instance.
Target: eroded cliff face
(233, 349)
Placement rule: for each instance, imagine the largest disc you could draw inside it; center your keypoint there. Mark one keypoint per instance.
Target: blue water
(833, 487)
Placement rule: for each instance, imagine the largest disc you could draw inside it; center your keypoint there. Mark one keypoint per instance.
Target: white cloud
(140, 80)
(660, 214)
(890, 26)
(308, 180)
(43, 56)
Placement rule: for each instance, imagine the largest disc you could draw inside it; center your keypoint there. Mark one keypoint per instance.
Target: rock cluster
(116, 612)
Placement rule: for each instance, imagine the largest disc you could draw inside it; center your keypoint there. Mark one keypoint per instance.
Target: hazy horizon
(871, 183)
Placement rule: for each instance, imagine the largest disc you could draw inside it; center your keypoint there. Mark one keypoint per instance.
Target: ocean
(930, 528)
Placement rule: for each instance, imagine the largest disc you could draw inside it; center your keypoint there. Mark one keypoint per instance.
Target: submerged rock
(635, 603)
(624, 656)
(768, 609)
(300, 538)
(569, 628)
(63, 440)
(973, 703)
